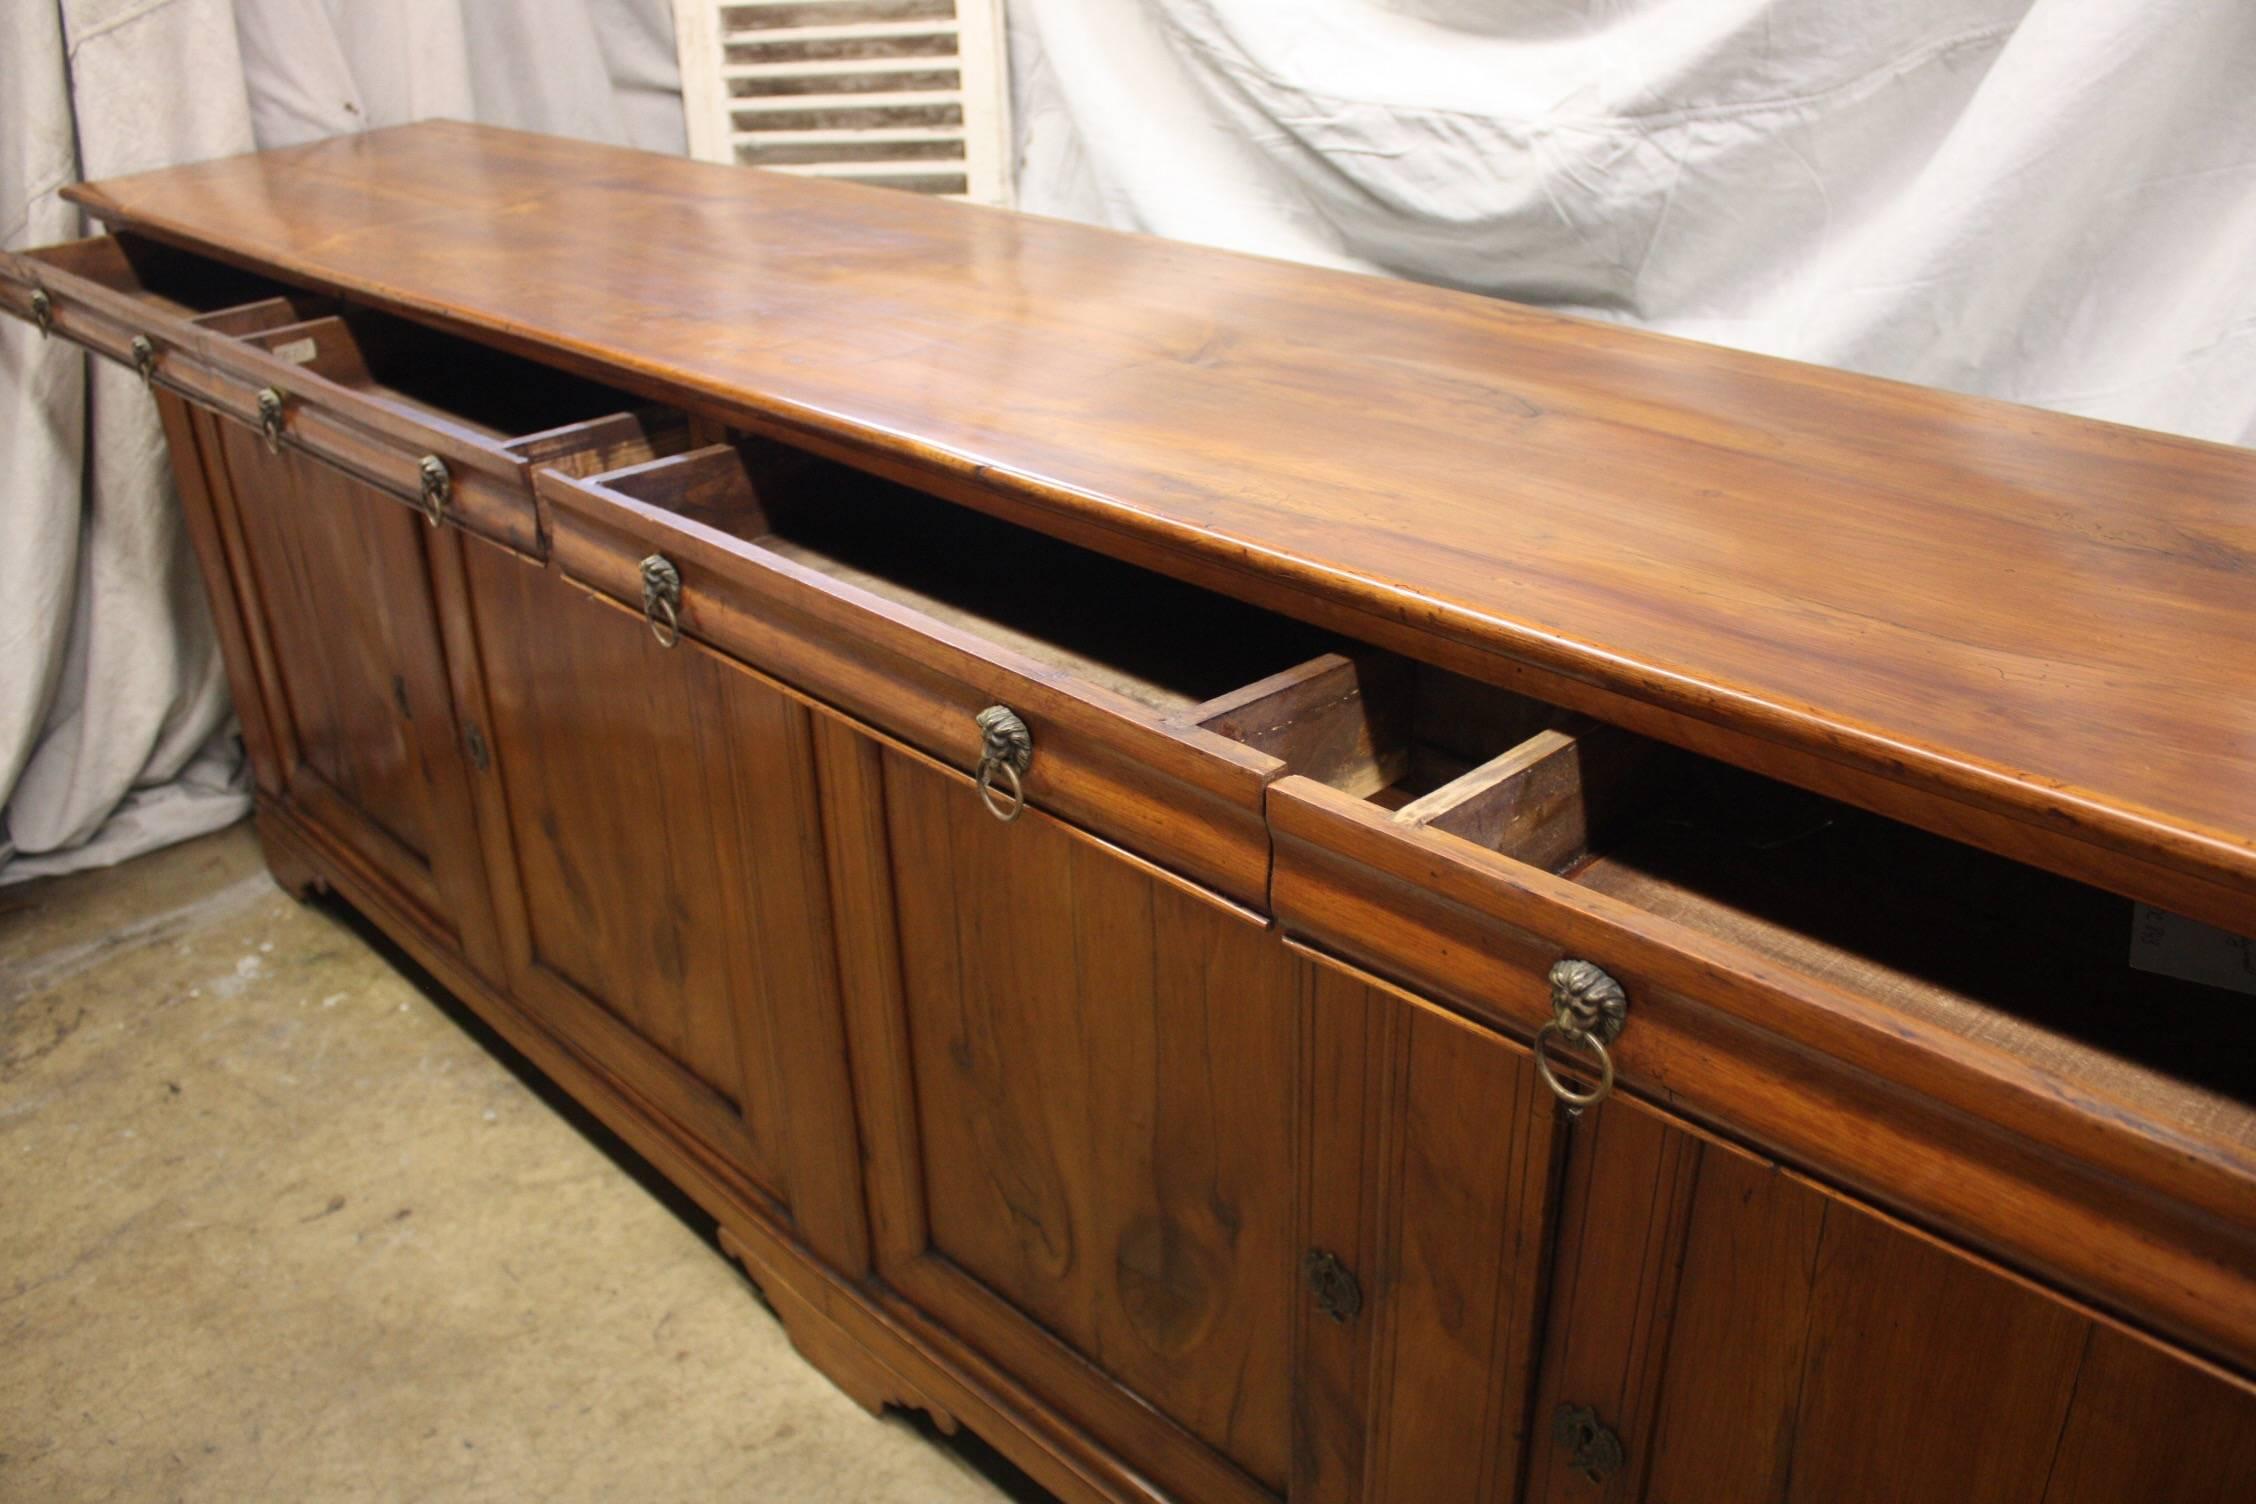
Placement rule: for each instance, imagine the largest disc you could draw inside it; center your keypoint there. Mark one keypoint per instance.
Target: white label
(297, 352)
(2172, 946)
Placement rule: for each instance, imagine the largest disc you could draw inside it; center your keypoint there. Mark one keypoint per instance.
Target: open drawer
(445, 424)
(449, 426)
(1938, 1027)
(141, 302)
(916, 615)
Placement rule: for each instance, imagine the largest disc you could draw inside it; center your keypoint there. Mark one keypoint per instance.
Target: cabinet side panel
(227, 513)
(186, 436)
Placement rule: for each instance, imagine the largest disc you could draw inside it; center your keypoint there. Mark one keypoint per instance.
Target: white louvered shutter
(905, 93)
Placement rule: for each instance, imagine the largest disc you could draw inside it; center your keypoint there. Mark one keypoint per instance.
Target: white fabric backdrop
(2048, 200)
(115, 734)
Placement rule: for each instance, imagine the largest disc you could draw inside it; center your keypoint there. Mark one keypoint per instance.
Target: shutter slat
(854, 137)
(907, 166)
(852, 31)
(742, 104)
(816, 67)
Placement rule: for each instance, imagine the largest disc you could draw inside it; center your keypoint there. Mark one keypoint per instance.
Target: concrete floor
(276, 1222)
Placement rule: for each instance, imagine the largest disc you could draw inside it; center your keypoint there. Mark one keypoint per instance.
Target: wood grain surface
(1065, 1165)
(1428, 1151)
(2132, 1188)
(1978, 605)
(360, 720)
(1754, 1339)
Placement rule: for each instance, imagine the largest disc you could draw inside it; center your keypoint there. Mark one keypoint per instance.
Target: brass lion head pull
(661, 599)
(438, 486)
(270, 417)
(1588, 1008)
(1006, 750)
(43, 311)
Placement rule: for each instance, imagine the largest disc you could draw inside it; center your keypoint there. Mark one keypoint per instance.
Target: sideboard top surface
(2039, 615)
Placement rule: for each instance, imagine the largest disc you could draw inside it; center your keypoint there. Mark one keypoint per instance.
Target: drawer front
(164, 313)
(84, 291)
(56, 289)
(444, 470)
(51, 302)
(1181, 796)
(2018, 1162)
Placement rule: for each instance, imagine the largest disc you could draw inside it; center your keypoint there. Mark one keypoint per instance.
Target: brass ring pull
(438, 486)
(270, 417)
(989, 770)
(43, 311)
(1576, 1100)
(145, 358)
(661, 599)
(1006, 750)
(1588, 1008)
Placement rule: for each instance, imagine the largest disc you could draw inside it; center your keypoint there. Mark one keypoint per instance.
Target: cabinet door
(1745, 1336)
(343, 628)
(1077, 1076)
(658, 856)
(1428, 1175)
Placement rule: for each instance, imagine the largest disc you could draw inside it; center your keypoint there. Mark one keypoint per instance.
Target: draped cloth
(115, 729)
(2052, 201)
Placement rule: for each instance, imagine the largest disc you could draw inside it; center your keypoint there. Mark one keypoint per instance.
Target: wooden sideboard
(1098, 803)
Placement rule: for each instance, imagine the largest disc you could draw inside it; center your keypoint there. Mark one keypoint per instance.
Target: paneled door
(1076, 1077)
(1723, 1330)
(359, 728)
(651, 818)
(1429, 1168)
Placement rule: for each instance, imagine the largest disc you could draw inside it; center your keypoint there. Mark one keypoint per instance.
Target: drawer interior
(420, 371)
(161, 277)
(1967, 940)
(1382, 728)
(1165, 645)
(244, 319)
(1957, 935)
(611, 442)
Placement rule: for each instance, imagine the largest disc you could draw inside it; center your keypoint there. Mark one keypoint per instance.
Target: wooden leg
(867, 1380)
(287, 859)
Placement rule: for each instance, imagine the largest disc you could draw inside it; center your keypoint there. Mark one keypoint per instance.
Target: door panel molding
(1028, 995)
